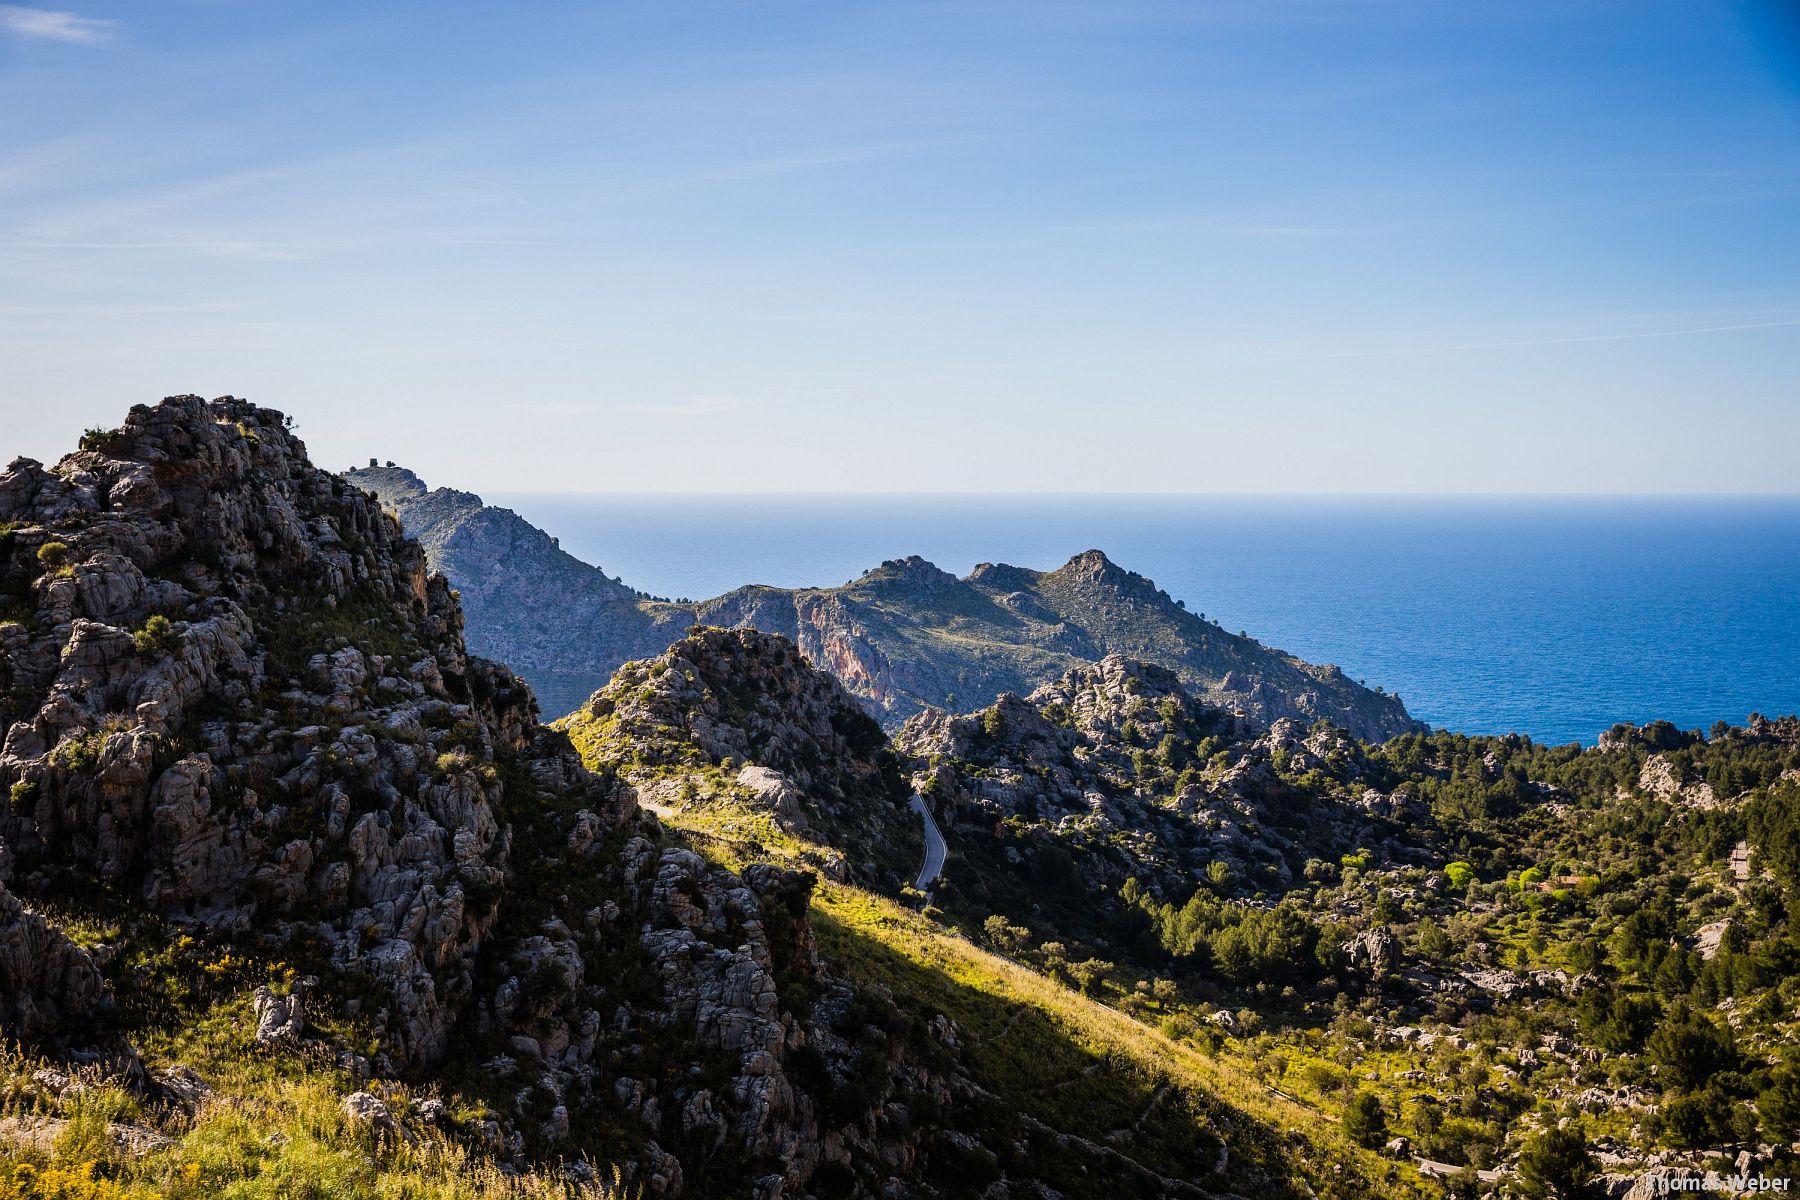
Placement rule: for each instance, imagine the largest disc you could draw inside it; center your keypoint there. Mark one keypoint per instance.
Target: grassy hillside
(1061, 1065)
(266, 1124)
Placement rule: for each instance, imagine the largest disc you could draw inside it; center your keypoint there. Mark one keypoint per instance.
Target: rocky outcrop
(1373, 952)
(279, 1019)
(904, 638)
(1119, 766)
(233, 691)
(767, 727)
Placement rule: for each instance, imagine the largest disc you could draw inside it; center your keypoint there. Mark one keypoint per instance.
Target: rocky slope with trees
(1563, 970)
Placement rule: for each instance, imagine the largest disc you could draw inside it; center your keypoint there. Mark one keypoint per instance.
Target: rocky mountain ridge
(904, 637)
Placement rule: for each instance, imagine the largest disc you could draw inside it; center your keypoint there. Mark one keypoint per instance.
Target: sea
(1552, 617)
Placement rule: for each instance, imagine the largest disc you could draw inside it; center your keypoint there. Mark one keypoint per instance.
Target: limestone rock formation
(1118, 769)
(47, 983)
(195, 708)
(750, 709)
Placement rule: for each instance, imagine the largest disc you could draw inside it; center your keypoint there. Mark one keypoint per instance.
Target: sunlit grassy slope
(1060, 1061)
(273, 1128)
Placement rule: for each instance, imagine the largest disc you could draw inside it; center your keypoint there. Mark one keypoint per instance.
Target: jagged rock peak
(1092, 566)
(738, 693)
(1115, 677)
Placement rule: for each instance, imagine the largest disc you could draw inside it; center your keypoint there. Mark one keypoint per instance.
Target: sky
(1390, 246)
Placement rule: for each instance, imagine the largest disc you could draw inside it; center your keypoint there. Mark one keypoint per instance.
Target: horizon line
(664, 494)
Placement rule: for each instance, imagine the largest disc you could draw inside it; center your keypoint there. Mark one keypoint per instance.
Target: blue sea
(1551, 617)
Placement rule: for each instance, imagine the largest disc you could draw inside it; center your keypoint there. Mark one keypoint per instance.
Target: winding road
(934, 845)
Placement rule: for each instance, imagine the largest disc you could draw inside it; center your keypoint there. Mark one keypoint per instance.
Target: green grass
(275, 1128)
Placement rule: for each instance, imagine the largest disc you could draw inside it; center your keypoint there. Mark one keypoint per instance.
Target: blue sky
(1395, 246)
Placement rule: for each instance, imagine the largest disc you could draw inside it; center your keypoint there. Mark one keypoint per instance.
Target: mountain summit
(904, 637)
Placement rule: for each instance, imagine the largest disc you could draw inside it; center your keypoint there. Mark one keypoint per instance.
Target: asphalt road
(934, 846)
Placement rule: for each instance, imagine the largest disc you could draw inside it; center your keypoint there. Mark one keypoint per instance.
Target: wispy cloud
(689, 406)
(49, 26)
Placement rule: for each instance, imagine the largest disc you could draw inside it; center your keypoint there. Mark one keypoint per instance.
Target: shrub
(1690, 1049)
(1779, 1105)
(53, 556)
(103, 441)
(1697, 1120)
(78, 752)
(158, 636)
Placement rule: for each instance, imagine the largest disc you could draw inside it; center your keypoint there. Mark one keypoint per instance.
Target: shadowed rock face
(46, 981)
(903, 638)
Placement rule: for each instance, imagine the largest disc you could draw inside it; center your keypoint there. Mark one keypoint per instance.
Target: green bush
(53, 556)
(103, 441)
(1690, 1049)
(1779, 1105)
(158, 636)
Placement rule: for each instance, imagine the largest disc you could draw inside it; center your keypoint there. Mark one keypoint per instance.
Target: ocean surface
(1551, 617)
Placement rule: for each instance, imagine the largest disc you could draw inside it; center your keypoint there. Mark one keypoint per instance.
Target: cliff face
(904, 638)
(563, 625)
